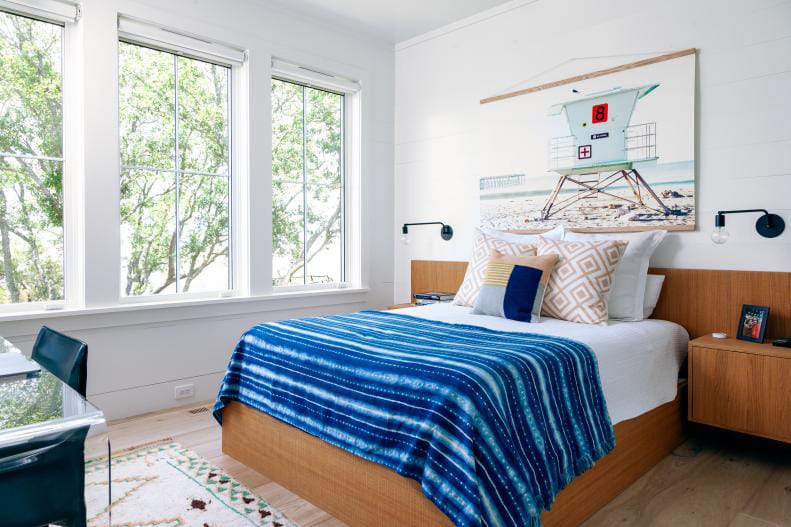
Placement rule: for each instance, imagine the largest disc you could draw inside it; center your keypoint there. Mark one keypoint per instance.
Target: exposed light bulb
(720, 235)
(405, 239)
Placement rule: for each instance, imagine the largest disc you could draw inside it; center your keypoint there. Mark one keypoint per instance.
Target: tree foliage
(174, 201)
(31, 124)
(307, 208)
(174, 117)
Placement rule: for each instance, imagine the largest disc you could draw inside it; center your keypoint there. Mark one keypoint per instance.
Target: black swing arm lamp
(446, 232)
(768, 225)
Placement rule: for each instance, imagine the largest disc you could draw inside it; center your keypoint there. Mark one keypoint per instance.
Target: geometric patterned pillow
(581, 282)
(476, 269)
(514, 287)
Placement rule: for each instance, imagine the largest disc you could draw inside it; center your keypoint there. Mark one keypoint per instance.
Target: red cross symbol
(584, 152)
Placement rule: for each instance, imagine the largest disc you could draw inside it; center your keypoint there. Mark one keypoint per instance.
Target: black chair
(42, 482)
(63, 356)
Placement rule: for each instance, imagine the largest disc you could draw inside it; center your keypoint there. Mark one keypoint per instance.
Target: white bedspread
(638, 361)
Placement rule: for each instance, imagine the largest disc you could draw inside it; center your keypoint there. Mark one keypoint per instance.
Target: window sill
(197, 307)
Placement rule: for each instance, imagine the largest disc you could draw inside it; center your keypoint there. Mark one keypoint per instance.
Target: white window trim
(149, 33)
(65, 14)
(188, 47)
(351, 90)
(56, 11)
(173, 308)
(314, 77)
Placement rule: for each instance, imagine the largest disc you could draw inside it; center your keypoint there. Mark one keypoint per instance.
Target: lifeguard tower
(602, 149)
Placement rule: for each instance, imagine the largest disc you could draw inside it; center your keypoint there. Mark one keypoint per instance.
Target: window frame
(234, 124)
(71, 259)
(350, 92)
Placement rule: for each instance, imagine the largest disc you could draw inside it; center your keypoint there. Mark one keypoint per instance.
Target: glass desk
(35, 404)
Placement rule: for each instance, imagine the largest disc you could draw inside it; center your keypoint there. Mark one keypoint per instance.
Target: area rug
(168, 486)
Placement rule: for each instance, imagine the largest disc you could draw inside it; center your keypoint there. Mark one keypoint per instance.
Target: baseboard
(155, 397)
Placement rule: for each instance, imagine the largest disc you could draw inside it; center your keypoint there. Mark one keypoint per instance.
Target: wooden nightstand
(400, 306)
(741, 386)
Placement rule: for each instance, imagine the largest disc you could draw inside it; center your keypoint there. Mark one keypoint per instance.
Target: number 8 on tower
(600, 113)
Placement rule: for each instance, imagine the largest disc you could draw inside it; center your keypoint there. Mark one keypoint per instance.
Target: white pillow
(524, 239)
(653, 287)
(628, 289)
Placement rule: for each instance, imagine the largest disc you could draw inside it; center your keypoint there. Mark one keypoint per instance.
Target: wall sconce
(768, 225)
(446, 232)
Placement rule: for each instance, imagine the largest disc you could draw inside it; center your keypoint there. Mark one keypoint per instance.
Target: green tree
(307, 149)
(31, 178)
(174, 202)
(174, 197)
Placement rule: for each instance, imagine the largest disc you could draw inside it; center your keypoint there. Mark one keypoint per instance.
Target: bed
(638, 364)
(638, 361)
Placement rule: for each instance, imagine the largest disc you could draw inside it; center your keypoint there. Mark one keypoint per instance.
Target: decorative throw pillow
(513, 287)
(581, 282)
(628, 283)
(483, 244)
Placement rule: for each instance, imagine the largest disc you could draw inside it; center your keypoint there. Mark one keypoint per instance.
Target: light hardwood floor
(712, 480)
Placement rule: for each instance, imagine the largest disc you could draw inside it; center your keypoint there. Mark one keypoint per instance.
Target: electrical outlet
(184, 391)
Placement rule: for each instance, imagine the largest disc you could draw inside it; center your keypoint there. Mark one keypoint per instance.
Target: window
(175, 172)
(31, 160)
(308, 185)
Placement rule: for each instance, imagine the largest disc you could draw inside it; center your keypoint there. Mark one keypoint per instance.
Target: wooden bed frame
(364, 494)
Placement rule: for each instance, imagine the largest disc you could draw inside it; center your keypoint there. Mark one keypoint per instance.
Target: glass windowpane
(287, 233)
(31, 188)
(203, 116)
(148, 232)
(324, 137)
(307, 139)
(325, 237)
(175, 223)
(204, 233)
(287, 152)
(146, 96)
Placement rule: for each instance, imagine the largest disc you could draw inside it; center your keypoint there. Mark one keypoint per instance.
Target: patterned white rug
(169, 485)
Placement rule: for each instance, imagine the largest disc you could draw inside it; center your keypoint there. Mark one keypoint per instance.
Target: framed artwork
(608, 153)
(752, 323)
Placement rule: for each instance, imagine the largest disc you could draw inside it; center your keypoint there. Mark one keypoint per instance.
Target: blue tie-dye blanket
(492, 424)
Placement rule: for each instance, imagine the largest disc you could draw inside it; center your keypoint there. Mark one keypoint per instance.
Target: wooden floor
(713, 479)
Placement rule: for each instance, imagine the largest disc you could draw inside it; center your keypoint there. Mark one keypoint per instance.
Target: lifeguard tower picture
(603, 151)
(591, 148)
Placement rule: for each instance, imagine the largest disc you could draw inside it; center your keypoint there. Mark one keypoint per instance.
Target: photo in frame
(752, 323)
(605, 154)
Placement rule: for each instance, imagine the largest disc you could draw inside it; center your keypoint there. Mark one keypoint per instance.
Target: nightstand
(400, 306)
(741, 386)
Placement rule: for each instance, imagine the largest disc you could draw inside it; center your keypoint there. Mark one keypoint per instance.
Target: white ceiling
(390, 20)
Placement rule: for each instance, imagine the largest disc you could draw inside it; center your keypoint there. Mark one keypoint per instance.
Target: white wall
(743, 113)
(137, 354)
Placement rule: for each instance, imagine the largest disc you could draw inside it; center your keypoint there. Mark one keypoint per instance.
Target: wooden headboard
(701, 300)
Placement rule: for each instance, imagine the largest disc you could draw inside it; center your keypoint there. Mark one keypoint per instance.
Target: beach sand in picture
(515, 212)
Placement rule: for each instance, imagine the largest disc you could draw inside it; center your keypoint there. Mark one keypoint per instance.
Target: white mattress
(638, 361)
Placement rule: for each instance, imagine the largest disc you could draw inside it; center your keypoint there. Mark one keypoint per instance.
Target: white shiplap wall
(743, 113)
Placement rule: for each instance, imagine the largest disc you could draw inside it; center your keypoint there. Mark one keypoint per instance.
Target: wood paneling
(436, 275)
(741, 386)
(364, 494)
(704, 300)
(700, 300)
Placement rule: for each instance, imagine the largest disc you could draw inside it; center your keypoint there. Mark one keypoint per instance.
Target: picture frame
(752, 323)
